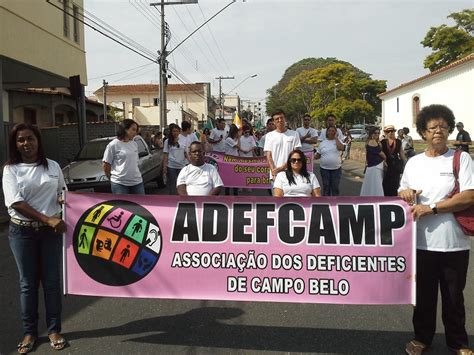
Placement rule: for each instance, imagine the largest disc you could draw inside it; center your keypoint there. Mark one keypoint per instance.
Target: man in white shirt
(218, 136)
(188, 136)
(279, 144)
(331, 122)
(308, 135)
(198, 178)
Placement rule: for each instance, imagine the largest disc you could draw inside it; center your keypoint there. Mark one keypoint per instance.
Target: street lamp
(335, 90)
(247, 78)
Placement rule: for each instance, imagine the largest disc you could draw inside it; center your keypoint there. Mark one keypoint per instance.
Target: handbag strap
(456, 167)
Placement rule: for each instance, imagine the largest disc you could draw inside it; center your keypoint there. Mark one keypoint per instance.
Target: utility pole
(221, 103)
(163, 53)
(104, 98)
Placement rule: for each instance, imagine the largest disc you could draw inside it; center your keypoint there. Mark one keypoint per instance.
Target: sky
(263, 37)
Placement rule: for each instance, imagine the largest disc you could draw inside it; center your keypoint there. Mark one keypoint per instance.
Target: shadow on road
(206, 327)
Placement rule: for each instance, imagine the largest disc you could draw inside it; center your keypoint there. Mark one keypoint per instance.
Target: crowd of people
(33, 187)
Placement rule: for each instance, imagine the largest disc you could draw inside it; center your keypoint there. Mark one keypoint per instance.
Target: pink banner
(245, 172)
(312, 250)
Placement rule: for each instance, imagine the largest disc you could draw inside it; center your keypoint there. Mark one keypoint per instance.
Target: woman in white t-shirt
(442, 256)
(232, 147)
(329, 151)
(247, 143)
(32, 186)
(174, 157)
(295, 180)
(120, 161)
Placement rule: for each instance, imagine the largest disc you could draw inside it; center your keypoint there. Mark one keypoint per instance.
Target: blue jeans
(331, 179)
(131, 190)
(37, 254)
(172, 177)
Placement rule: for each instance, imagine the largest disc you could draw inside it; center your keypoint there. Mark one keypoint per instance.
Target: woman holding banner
(295, 180)
(232, 147)
(329, 151)
(32, 185)
(442, 255)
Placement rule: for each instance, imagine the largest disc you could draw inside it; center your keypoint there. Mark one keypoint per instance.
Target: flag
(208, 124)
(237, 121)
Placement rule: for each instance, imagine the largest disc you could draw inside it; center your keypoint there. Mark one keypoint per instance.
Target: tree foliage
(319, 86)
(450, 43)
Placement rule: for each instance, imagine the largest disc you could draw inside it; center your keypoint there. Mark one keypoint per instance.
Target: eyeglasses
(295, 160)
(435, 128)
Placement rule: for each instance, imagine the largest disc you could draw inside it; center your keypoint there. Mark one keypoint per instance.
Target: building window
(75, 14)
(156, 101)
(66, 18)
(136, 101)
(398, 104)
(415, 107)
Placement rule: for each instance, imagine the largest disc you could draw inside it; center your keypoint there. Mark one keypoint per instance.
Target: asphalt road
(95, 325)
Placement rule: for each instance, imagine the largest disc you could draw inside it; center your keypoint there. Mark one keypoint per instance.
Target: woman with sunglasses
(295, 180)
(248, 143)
(393, 150)
(375, 161)
(174, 157)
(329, 151)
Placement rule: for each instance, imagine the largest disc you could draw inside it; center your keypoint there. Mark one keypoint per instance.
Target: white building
(452, 85)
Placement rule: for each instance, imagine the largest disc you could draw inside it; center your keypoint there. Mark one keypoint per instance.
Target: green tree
(450, 43)
(337, 87)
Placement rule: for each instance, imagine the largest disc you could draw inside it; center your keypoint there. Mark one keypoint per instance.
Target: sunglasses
(295, 160)
(390, 131)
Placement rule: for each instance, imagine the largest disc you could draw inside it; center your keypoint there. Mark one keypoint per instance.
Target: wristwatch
(433, 208)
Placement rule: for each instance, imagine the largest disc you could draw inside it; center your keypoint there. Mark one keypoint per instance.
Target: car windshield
(93, 150)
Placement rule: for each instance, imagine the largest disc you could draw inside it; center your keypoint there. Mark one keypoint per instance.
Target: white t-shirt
(306, 147)
(190, 138)
(281, 145)
(434, 176)
(35, 185)
(176, 156)
(199, 180)
(123, 158)
(215, 135)
(302, 188)
(339, 135)
(330, 156)
(231, 147)
(247, 143)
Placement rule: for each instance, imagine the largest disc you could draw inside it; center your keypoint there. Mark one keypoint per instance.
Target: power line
(215, 41)
(120, 72)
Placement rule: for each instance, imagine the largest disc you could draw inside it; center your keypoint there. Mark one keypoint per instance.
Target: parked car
(85, 172)
(358, 134)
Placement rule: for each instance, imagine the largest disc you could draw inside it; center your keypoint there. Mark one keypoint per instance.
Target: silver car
(85, 172)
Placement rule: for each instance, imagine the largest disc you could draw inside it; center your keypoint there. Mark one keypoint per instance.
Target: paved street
(95, 325)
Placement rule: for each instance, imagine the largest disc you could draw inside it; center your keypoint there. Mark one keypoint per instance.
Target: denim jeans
(331, 179)
(37, 254)
(131, 190)
(172, 177)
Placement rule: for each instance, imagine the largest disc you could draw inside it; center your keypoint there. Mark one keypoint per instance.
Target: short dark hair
(233, 131)
(15, 156)
(406, 130)
(330, 115)
(221, 120)
(432, 112)
(194, 143)
(270, 120)
(306, 115)
(278, 112)
(185, 125)
(124, 125)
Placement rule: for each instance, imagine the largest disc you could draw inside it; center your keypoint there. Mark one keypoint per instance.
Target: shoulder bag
(465, 218)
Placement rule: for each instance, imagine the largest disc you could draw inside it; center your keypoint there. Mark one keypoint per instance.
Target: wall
(453, 88)
(37, 27)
